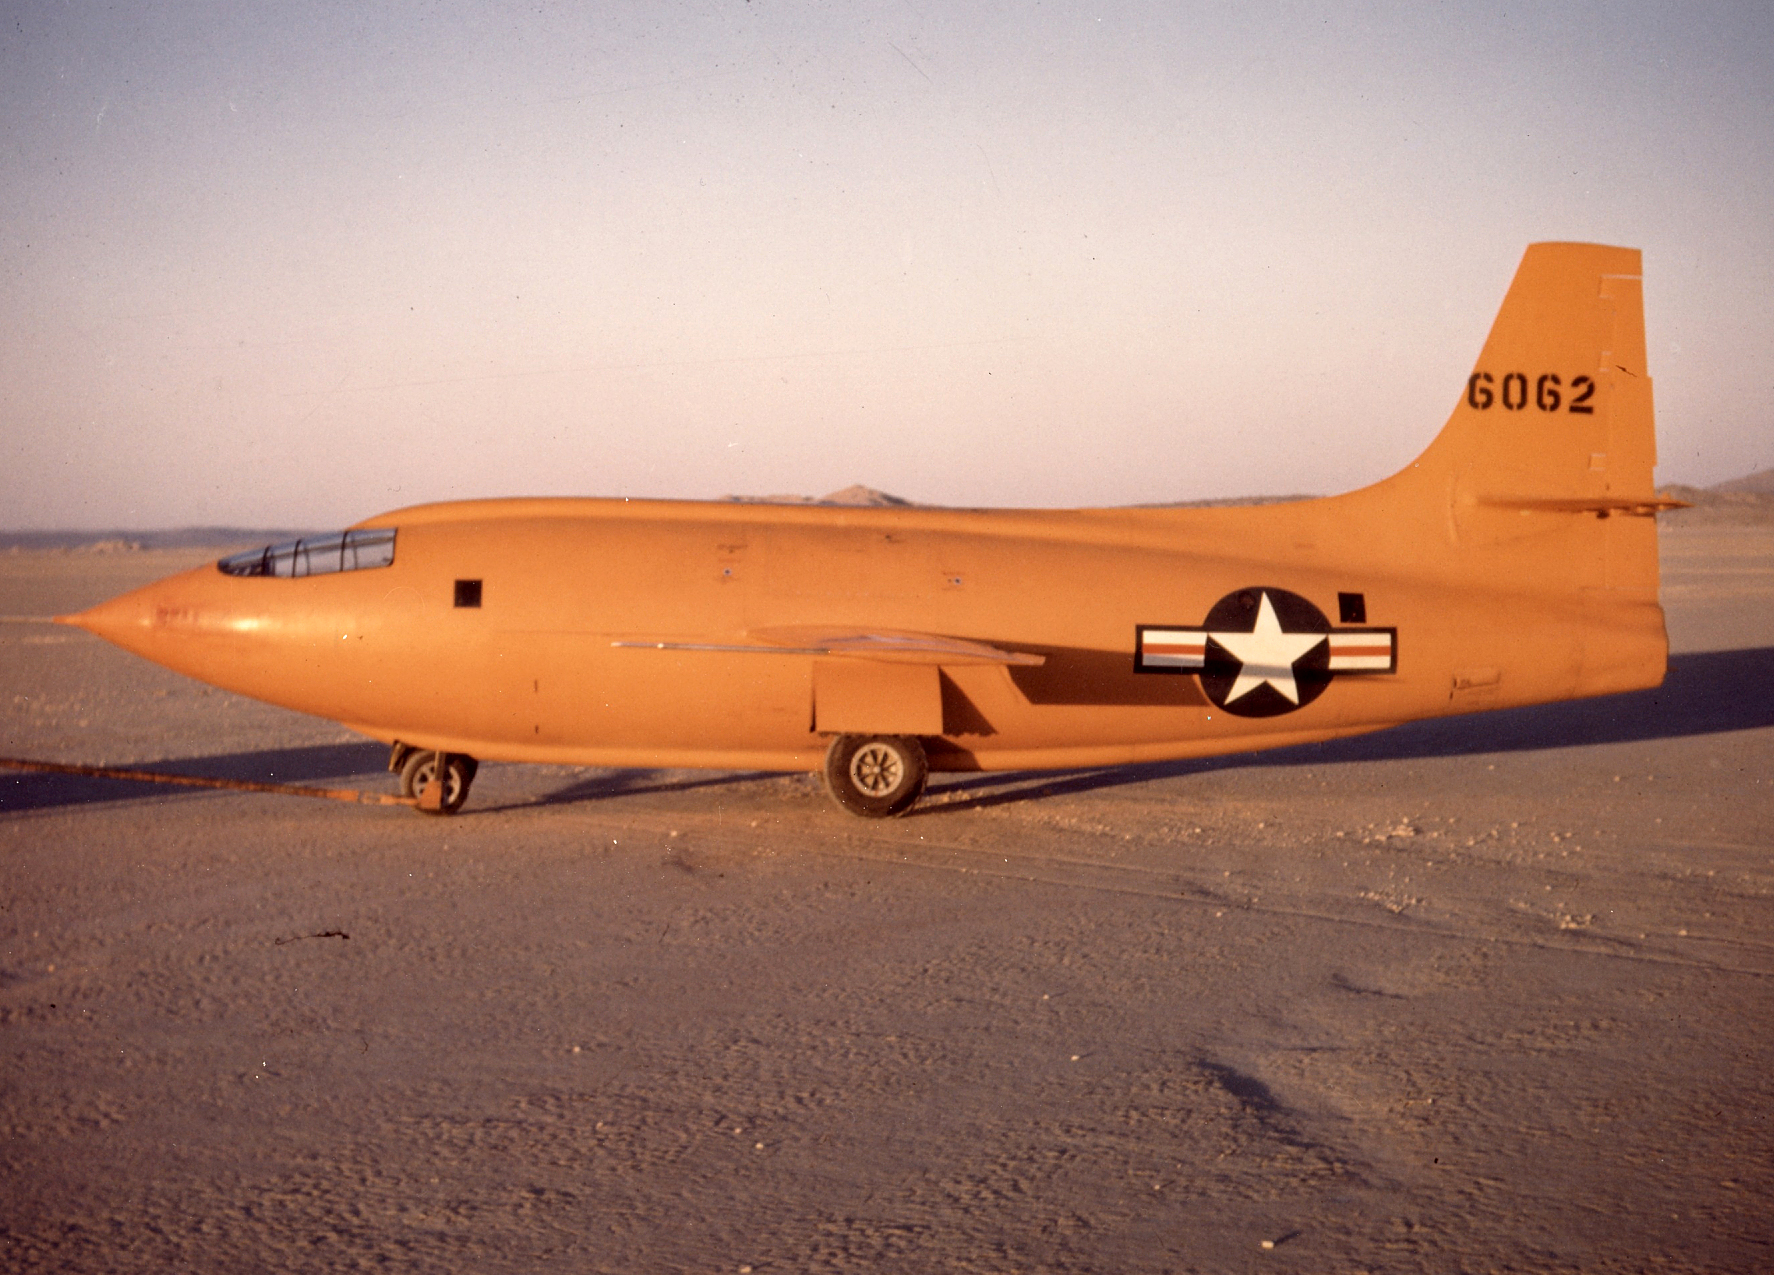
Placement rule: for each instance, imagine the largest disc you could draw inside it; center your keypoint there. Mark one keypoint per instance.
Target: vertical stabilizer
(1559, 406)
(1540, 485)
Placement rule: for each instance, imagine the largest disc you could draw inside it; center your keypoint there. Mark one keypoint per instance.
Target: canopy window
(316, 555)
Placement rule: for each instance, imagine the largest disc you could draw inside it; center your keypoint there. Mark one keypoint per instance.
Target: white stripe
(1171, 659)
(1353, 652)
(1351, 663)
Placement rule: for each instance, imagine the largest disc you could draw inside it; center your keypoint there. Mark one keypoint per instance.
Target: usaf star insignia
(1262, 652)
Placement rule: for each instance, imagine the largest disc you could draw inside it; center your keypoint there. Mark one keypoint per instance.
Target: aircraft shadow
(319, 765)
(363, 766)
(1704, 693)
(606, 784)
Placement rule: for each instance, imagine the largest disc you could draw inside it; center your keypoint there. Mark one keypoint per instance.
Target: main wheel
(875, 776)
(421, 766)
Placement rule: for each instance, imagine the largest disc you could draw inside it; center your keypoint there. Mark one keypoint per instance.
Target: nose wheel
(875, 776)
(420, 770)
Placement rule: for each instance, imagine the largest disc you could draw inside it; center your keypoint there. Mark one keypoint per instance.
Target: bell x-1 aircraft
(1514, 562)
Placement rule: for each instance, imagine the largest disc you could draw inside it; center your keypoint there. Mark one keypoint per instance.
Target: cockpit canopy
(315, 555)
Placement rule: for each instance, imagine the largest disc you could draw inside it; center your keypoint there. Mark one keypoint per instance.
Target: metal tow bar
(204, 781)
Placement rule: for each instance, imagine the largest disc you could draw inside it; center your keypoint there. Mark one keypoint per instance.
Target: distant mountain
(1746, 499)
(1227, 502)
(131, 541)
(1749, 499)
(1761, 482)
(855, 494)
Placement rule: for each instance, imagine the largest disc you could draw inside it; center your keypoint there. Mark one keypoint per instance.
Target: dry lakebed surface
(1492, 993)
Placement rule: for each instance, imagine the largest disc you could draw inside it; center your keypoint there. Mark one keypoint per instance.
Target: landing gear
(419, 768)
(875, 776)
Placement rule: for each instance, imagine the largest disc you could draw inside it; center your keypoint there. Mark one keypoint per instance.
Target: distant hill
(855, 494)
(1761, 482)
(1227, 502)
(1749, 499)
(132, 541)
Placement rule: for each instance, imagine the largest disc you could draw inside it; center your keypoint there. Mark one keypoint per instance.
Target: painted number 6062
(1482, 391)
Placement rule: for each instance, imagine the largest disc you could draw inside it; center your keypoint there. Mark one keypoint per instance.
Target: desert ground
(1491, 993)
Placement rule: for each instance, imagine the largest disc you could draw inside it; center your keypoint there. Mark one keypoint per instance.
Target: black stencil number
(1580, 401)
(1513, 392)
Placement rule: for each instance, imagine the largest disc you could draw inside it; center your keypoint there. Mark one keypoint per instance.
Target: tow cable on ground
(205, 781)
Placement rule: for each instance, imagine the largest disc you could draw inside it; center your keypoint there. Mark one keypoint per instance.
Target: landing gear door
(876, 697)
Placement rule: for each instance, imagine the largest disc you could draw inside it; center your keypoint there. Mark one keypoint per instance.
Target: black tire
(421, 765)
(875, 776)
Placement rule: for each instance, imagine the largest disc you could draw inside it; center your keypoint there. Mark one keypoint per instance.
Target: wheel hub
(876, 770)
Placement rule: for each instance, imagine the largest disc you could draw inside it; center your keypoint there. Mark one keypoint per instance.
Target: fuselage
(626, 632)
(1514, 562)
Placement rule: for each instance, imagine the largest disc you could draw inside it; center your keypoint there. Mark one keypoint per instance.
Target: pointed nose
(197, 623)
(156, 619)
(118, 620)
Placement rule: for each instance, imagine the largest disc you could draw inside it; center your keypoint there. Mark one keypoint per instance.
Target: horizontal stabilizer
(1602, 505)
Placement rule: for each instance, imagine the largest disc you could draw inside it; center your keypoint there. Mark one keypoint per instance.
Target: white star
(1266, 654)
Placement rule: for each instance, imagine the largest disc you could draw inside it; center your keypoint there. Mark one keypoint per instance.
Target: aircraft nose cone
(150, 621)
(118, 620)
(195, 623)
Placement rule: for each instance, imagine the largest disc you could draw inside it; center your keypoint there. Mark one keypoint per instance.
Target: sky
(296, 264)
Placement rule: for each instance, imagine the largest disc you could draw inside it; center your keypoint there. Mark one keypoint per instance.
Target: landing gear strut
(875, 776)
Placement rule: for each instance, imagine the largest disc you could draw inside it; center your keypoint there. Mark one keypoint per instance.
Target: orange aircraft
(1514, 562)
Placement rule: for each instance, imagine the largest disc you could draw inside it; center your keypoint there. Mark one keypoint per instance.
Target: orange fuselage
(534, 674)
(1512, 563)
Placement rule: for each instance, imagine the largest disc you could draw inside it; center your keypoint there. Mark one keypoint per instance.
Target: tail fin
(1557, 414)
(1541, 482)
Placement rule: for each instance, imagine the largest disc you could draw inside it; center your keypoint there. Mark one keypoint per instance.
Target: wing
(892, 645)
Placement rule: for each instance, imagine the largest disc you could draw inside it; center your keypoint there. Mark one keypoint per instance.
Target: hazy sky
(295, 264)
